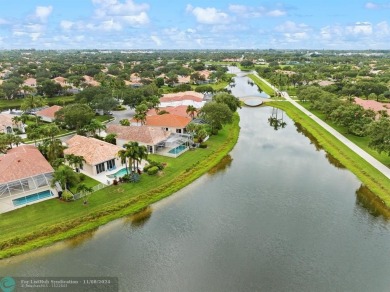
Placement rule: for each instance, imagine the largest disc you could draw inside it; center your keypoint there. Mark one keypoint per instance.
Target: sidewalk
(359, 151)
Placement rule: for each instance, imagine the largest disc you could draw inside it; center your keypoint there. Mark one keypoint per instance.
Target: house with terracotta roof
(373, 105)
(48, 114)
(150, 137)
(186, 98)
(7, 125)
(88, 80)
(99, 156)
(168, 122)
(31, 82)
(61, 81)
(180, 110)
(25, 178)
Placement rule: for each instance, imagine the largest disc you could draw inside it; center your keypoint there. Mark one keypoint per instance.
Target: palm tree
(34, 134)
(122, 154)
(142, 153)
(31, 102)
(85, 191)
(75, 160)
(191, 110)
(65, 176)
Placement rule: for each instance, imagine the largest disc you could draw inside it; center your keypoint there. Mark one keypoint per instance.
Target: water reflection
(80, 239)
(222, 166)
(276, 120)
(371, 203)
(140, 218)
(332, 160)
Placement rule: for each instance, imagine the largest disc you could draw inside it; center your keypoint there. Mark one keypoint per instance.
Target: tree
(159, 82)
(124, 122)
(10, 89)
(140, 113)
(191, 110)
(111, 138)
(49, 88)
(65, 176)
(74, 160)
(75, 116)
(379, 135)
(216, 115)
(93, 126)
(246, 63)
(230, 100)
(32, 102)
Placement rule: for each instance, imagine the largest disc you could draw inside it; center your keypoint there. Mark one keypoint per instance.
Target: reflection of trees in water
(222, 165)
(332, 160)
(139, 219)
(276, 120)
(371, 203)
(82, 238)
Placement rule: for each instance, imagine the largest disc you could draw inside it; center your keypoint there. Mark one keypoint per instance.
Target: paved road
(374, 162)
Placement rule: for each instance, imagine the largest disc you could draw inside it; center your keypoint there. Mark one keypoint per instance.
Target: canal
(277, 214)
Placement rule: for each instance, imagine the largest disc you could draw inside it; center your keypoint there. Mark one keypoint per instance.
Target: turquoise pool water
(119, 173)
(177, 149)
(32, 198)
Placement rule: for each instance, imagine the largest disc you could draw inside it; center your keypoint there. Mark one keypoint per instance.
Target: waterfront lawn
(266, 88)
(86, 180)
(367, 174)
(362, 142)
(6, 104)
(49, 221)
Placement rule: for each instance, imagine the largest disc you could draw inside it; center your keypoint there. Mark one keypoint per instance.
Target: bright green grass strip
(16, 103)
(262, 85)
(367, 174)
(53, 220)
(362, 142)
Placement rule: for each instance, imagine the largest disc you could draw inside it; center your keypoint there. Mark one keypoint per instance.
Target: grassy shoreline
(375, 181)
(265, 87)
(128, 199)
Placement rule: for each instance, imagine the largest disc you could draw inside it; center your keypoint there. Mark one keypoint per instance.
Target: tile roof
(49, 111)
(179, 96)
(30, 82)
(143, 134)
(373, 105)
(180, 110)
(5, 121)
(22, 162)
(167, 121)
(93, 150)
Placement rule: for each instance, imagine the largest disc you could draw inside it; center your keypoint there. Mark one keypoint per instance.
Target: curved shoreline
(75, 226)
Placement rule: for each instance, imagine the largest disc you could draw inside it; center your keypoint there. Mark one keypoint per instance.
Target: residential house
(147, 136)
(90, 81)
(48, 114)
(373, 105)
(168, 122)
(7, 125)
(31, 82)
(99, 156)
(182, 98)
(25, 178)
(180, 110)
(61, 81)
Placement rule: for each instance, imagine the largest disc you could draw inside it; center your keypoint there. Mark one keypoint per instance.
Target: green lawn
(267, 89)
(362, 142)
(44, 223)
(103, 118)
(367, 174)
(88, 181)
(16, 103)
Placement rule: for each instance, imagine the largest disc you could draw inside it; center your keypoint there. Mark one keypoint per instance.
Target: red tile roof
(94, 151)
(373, 105)
(49, 111)
(180, 110)
(167, 121)
(22, 162)
(142, 134)
(188, 95)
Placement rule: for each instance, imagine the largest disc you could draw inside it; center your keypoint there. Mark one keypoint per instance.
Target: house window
(111, 164)
(100, 168)
(178, 130)
(9, 130)
(166, 129)
(150, 149)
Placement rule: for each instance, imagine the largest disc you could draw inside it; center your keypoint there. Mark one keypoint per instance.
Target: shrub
(67, 196)
(126, 178)
(152, 170)
(152, 163)
(82, 176)
(202, 145)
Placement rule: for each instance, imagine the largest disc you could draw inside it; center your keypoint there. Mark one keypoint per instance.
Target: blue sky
(182, 24)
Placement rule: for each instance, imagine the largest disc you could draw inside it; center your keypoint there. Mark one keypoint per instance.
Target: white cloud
(383, 28)
(359, 28)
(290, 26)
(66, 25)
(373, 5)
(239, 9)
(35, 36)
(276, 13)
(43, 12)
(156, 40)
(3, 21)
(139, 19)
(208, 15)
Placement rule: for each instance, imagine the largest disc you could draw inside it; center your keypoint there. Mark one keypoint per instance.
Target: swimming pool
(119, 173)
(177, 149)
(32, 198)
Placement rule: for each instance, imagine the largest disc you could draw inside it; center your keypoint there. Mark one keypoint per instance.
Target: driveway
(120, 115)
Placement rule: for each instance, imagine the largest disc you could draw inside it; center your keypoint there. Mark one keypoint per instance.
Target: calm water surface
(275, 215)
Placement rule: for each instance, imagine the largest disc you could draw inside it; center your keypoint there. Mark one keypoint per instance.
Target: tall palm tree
(31, 102)
(142, 154)
(191, 110)
(122, 154)
(65, 176)
(75, 160)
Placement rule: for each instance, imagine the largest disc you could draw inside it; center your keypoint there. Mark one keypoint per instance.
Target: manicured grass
(362, 142)
(53, 220)
(262, 85)
(367, 174)
(16, 103)
(103, 118)
(87, 181)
